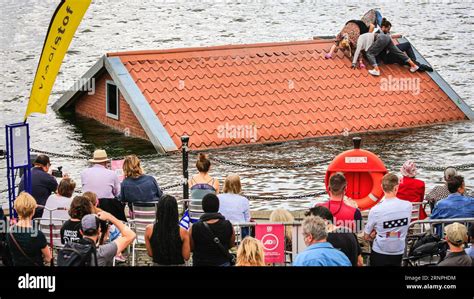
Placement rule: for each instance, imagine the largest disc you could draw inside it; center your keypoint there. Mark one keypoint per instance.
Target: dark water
(440, 30)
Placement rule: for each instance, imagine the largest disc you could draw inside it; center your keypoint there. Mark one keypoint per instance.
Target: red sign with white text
(273, 239)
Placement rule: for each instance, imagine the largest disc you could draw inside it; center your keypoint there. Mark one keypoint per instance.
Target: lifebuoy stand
(363, 170)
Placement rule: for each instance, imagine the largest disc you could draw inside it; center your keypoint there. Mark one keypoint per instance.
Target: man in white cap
(456, 236)
(101, 180)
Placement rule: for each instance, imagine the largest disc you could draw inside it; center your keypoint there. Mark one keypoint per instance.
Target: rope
(442, 168)
(171, 186)
(58, 155)
(316, 194)
(81, 157)
(257, 166)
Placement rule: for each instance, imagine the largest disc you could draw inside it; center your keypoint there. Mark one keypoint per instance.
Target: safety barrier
(420, 228)
(293, 244)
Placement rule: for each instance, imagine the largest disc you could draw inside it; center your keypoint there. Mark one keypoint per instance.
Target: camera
(57, 172)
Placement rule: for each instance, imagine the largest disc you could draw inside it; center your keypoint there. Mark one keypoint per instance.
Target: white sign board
(20, 146)
(353, 160)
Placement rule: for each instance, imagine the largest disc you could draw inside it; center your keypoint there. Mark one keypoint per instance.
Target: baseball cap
(90, 222)
(456, 233)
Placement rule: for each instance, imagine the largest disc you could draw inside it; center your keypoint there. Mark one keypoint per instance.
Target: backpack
(77, 254)
(429, 244)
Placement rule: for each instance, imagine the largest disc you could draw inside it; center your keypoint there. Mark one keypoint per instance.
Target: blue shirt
(143, 189)
(454, 206)
(321, 254)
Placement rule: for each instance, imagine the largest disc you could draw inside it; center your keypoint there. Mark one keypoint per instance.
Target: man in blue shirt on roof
(319, 252)
(456, 205)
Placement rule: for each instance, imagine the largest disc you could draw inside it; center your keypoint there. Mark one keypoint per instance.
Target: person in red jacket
(411, 189)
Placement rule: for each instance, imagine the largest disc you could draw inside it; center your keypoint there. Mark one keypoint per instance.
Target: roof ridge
(218, 48)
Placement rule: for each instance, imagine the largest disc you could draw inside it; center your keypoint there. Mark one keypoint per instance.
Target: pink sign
(273, 239)
(117, 166)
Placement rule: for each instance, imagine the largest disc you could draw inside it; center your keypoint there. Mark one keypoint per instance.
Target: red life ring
(363, 171)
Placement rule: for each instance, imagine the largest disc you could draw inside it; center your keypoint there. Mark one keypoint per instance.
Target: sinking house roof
(287, 91)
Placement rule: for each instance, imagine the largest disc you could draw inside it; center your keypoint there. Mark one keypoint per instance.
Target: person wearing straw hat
(456, 236)
(104, 183)
(411, 188)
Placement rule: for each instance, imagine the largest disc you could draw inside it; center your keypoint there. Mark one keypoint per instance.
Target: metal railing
(420, 228)
(293, 244)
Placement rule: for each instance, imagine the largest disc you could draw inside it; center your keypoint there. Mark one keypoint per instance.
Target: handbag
(216, 240)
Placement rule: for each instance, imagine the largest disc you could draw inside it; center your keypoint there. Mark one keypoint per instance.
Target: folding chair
(142, 214)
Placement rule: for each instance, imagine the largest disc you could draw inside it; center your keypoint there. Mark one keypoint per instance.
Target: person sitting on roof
(373, 44)
(389, 57)
(346, 39)
(202, 183)
(456, 205)
(441, 191)
(410, 188)
(373, 19)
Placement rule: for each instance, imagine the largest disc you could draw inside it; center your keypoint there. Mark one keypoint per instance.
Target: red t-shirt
(412, 190)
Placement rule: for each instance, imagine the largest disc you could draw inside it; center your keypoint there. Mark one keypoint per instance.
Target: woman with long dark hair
(166, 242)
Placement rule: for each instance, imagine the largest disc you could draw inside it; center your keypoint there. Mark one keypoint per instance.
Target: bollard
(357, 141)
(184, 149)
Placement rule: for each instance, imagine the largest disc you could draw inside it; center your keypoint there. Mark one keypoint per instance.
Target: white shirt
(234, 207)
(57, 201)
(363, 43)
(390, 219)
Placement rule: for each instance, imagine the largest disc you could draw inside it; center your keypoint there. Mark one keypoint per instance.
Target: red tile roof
(287, 90)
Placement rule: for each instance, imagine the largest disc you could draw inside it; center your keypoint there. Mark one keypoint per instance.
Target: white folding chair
(142, 214)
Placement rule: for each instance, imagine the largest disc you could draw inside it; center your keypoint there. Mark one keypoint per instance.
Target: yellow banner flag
(66, 19)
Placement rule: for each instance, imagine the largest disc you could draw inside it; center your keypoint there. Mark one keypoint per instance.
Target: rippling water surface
(440, 30)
